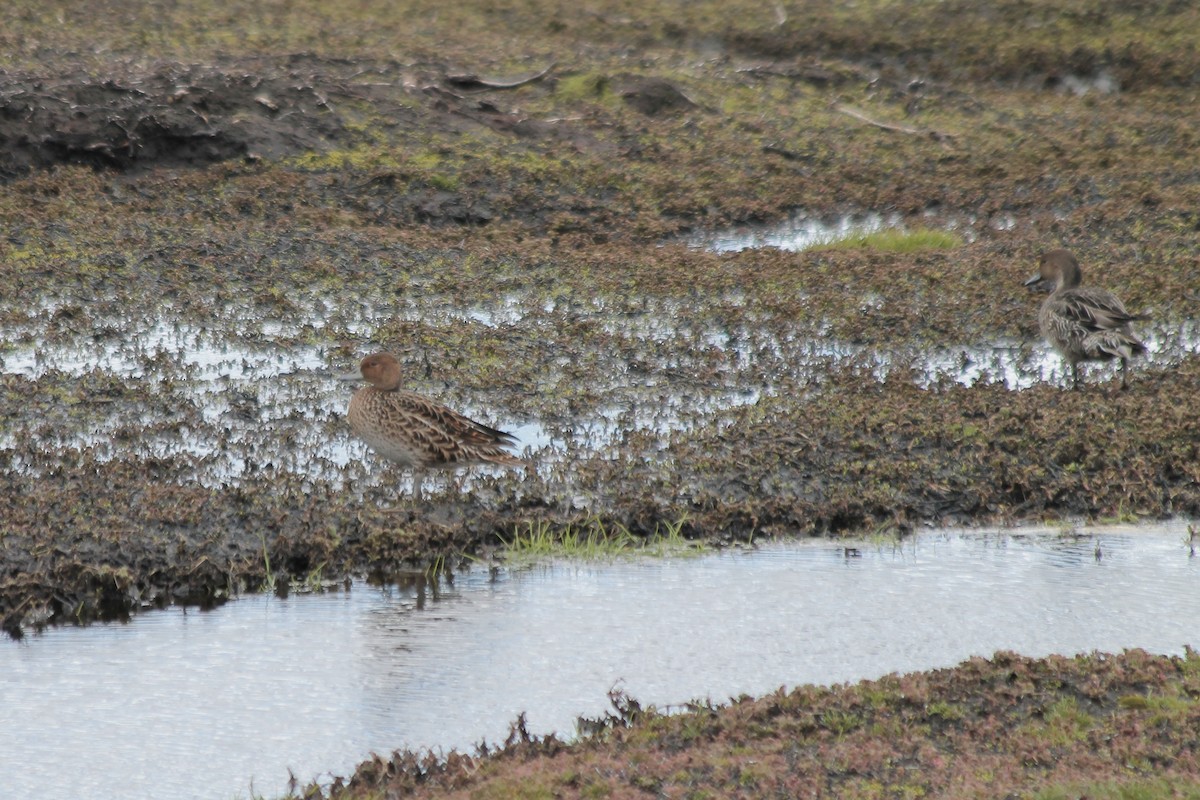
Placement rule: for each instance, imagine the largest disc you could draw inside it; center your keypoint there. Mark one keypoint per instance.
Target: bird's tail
(1113, 344)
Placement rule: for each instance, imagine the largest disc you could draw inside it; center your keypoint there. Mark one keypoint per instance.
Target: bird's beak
(1034, 280)
(349, 376)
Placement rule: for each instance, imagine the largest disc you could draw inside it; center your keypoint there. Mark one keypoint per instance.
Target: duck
(416, 432)
(1083, 323)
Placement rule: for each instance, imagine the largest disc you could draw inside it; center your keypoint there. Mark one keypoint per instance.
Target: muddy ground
(208, 213)
(183, 215)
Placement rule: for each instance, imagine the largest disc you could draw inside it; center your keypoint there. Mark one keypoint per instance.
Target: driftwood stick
(861, 117)
(470, 81)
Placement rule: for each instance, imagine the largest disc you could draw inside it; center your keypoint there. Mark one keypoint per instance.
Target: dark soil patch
(134, 118)
(170, 116)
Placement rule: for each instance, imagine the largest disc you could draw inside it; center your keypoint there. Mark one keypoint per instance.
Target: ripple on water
(212, 701)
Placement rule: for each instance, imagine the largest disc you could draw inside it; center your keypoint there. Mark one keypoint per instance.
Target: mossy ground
(270, 178)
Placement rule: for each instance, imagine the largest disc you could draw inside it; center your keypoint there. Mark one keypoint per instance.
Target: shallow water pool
(187, 704)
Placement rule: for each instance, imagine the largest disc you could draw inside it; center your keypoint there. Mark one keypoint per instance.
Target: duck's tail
(1113, 344)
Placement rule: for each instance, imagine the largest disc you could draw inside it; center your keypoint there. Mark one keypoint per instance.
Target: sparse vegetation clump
(897, 241)
(593, 538)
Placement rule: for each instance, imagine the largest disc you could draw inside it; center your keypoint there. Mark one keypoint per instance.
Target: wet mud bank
(88, 537)
(336, 195)
(192, 452)
(1006, 727)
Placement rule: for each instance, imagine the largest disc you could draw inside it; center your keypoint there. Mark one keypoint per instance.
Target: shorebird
(1083, 323)
(417, 433)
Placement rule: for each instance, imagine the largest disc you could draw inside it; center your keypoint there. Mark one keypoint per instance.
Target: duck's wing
(1092, 309)
(451, 435)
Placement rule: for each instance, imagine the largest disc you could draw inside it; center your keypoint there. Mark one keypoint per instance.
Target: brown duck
(1081, 322)
(415, 432)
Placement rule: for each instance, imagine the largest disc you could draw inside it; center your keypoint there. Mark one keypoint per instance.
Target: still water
(216, 705)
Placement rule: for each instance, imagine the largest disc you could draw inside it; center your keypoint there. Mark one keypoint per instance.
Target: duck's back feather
(414, 431)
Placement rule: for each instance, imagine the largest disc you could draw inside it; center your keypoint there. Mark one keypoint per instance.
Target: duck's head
(1057, 269)
(382, 371)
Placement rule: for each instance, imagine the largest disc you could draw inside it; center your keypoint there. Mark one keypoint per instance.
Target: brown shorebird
(415, 432)
(1083, 323)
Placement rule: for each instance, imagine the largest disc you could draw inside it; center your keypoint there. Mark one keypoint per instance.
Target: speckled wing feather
(1094, 309)
(450, 423)
(1089, 323)
(415, 431)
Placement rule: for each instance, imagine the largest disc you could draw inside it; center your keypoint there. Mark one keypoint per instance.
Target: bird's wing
(446, 429)
(1093, 309)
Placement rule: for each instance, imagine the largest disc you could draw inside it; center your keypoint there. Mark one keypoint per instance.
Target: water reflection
(802, 230)
(194, 704)
(799, 231)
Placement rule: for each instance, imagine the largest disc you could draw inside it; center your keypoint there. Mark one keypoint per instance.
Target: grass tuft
(593, 538)
(1124, 790)
(588, 86)
(895, 240)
